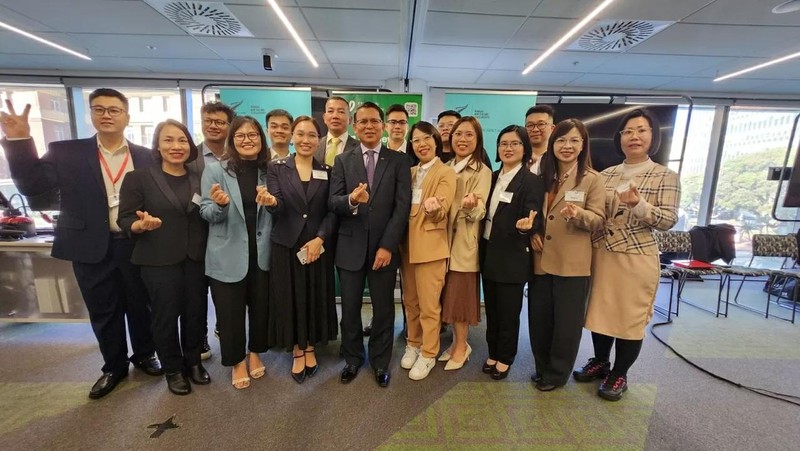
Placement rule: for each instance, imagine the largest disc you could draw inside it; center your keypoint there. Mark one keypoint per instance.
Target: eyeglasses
(469, 136)
(393, 122)
(540, 125)
(364, 122)
(218, 122)
(574, 142)
(629, 132)
(504, 144)
(112, 111)
(416, 141)
(252, 136)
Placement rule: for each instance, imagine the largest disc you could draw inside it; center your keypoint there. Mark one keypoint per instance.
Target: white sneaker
(409, 357)
(421, 368)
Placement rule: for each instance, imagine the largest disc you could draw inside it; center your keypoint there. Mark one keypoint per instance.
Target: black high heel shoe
(500, 375)
(301, 376)
(310, 370)
(487, 368)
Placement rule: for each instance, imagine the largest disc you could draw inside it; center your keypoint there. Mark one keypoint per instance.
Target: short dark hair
(448, 113)
(305, 118)
(397, 108)
(549, 165)
(342, 99)
(527, 150)
(479, 154)
(108, 92)
(430, 129)
(546, 109)
(218, 107)
(366, 105)
(193, 152)
(655, 142)
(277, 112)
(232, 156)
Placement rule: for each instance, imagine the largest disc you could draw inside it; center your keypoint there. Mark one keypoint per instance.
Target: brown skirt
(461, 301)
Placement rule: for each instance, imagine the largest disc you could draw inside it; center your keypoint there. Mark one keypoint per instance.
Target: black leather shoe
(382, 377)
(150, 365)
(543, 385)
(536, 377)
(613, 387)
(499, 375)
(178, 383)
(106, 383)
(488, 369)
(198, 374)
(349, 373)
(311, 370)
(301, 376)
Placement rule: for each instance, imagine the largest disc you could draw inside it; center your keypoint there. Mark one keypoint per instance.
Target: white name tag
(196, 199)
(319, 174)
(624, 187)
(506, 196)
(575, 196)
(113, 200)
(416, 196)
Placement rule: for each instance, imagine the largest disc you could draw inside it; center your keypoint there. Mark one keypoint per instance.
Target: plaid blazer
(660, 187)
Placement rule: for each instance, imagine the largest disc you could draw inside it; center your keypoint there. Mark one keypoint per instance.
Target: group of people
(149, 232)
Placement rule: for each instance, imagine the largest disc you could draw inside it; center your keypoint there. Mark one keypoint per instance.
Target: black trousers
(503, 305)
(236, 301)
(178, 293)
(381, 290)
(113, 292)
(556, 310)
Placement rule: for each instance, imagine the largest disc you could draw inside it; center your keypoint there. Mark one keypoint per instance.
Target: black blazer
(295, 208)
(410, 155)
(73, 169)
(183, 233)
(382, 222)
(507, 256)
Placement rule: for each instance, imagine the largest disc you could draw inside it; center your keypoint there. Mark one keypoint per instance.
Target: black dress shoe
(311, 370)
(382, 377)
(106, 383)
(488, 369)
(150, 365)
(349, 373)
(543, 385)
(198, 374)
(499, 375)
(536, 377)
(178, 383)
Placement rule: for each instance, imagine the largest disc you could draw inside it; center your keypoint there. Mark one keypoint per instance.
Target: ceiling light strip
(292, 31)
(569, 34)
(43, 41)
(758, 66)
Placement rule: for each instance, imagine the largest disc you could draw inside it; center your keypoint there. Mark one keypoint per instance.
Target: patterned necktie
(370, 166)
(330, 151)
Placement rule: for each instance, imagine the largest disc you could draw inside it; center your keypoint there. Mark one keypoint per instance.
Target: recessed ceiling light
(43, 41)
(787, 7)
(292, 31)
(758, 66)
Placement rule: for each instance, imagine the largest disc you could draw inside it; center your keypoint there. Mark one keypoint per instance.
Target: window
(694, 160)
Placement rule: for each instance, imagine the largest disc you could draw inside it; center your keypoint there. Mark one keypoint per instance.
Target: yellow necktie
(330, 151)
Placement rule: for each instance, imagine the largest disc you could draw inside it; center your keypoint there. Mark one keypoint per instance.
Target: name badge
(319, 174)
(416, 196)
(113, 200)
(624, 187)
(506, 196)
(196, 199)
(575, 196)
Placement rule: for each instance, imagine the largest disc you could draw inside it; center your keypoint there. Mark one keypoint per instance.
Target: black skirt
(302, 303)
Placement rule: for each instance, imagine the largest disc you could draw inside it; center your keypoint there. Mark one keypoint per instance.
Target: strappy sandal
(241, 383)
(257, 373)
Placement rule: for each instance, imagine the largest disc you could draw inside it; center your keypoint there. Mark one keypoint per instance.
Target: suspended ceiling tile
(245, 49)
(137, 46)
(499, 77)
(437, 75)
(538, 33)
(453, 56)
(506, 8)
(288, 69)
(641, 64)
(356, 25)
(469, 29)
(367, 53)
(371, 72)
(620, 82)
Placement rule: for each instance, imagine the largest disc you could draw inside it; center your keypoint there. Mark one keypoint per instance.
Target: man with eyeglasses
(539, 125)
(337, 141)
(397, 128)
(88, 174)
(370, 192)
(446, 121)
(279, 129)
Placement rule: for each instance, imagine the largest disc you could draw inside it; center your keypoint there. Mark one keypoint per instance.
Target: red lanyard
(115, 179)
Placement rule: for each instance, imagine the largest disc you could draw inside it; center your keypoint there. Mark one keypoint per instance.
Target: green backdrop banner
(412, 103)
(257, 102)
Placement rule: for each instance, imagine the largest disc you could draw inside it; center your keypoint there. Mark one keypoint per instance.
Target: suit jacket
(467, 223)
(349, 144)
(72, 168)
(227, 252)
(380, 223)
(295, 208)
(428, 237)
(507, 256)
(567, 245)
(412, 157)
(183, 233)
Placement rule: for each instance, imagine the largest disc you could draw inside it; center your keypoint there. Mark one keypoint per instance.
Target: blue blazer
(227, 252)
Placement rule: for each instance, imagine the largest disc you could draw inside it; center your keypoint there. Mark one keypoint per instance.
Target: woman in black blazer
(159, 207)
(513, 207)
(302, 309)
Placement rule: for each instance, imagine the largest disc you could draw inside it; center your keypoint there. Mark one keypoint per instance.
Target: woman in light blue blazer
(237, 255)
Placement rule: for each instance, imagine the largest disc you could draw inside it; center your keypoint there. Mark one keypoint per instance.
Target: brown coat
(428, 236)
(567, 245)
(467, 223)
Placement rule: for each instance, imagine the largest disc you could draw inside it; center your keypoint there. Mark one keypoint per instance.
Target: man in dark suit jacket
(337, 141)
(371, 194)
(88, 173)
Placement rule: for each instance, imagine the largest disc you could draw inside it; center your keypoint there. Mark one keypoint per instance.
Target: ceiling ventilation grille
(617, 36)
(201, 18)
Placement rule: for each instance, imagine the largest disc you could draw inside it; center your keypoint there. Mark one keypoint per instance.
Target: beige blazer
(467, 223)
(567, 245)
(428, 236)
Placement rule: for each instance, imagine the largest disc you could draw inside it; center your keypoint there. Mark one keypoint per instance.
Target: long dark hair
(655, 141)
(193, 152)
(549, 163)
(479, 155)
(428, 129)
(232, 156)
(527, 150)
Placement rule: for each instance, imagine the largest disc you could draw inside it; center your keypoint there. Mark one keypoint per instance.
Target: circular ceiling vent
(616, 36)
(203, 19)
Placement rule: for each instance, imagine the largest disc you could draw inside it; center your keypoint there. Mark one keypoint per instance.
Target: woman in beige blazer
(426, 250)
(573, 206)
(461, 298)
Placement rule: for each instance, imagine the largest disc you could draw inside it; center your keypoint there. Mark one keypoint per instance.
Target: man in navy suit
(88, 173)
(371, 194)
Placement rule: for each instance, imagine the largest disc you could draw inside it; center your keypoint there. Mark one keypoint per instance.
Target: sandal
(259, 372)
(301, 376)
(240, 383)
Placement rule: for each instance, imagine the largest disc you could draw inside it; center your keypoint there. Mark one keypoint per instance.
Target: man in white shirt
(539, 125)
(397, 127)
(279, 129)
(337, 141)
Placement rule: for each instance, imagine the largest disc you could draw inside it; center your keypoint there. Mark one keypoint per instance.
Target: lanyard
(116, 178)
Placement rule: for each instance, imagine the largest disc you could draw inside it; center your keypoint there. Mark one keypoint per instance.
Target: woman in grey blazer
(237, 255)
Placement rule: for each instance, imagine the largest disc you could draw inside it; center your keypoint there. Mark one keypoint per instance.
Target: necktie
(370, 166)
(330, 151)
